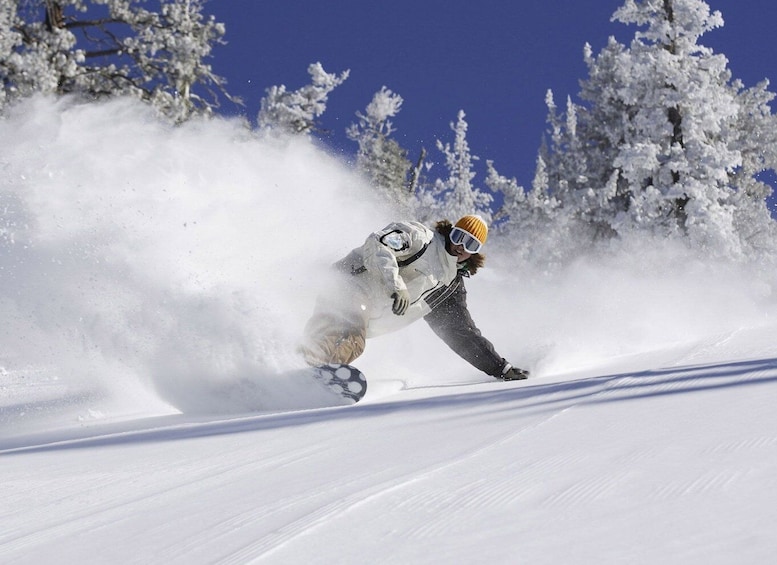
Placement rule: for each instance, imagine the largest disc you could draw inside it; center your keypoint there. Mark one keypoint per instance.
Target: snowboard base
(346, 380)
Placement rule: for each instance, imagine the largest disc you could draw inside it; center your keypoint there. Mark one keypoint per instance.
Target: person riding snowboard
(400, 274)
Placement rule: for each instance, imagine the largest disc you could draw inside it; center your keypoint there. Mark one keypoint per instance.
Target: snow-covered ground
(152, 283)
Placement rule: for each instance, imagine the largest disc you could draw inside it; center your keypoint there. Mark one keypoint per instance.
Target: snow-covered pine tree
(522, 212)
(296, 112)
(381, 158)
(170, 49)
(38, 53)
(455, 196)
(104, 48)
(755, 137)
(531, 224)
(10, 39)
(564, 160)
(663, 134)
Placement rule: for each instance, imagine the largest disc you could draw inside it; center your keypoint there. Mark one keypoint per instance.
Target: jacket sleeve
(451, 321)
(382, 251)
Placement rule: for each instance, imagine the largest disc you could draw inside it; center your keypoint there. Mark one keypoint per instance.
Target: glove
(401, 302)
(510, 373)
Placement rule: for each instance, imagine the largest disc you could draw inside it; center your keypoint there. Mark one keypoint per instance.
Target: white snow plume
(186, 257)
(636, 296)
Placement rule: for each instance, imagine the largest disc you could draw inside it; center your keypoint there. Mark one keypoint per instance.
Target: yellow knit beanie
(475, 226)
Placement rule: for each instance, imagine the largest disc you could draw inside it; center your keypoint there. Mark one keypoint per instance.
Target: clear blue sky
(493, 59)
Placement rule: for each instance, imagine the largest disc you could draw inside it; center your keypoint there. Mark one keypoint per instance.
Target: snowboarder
(401, 273)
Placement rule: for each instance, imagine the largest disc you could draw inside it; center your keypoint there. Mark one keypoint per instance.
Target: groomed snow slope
(669, 457)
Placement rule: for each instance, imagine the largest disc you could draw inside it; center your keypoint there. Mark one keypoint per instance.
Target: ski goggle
(460, 237)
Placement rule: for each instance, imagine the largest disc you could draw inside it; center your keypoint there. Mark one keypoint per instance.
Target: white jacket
(403, 255)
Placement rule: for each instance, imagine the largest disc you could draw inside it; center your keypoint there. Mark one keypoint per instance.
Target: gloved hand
(510, 373)
(401, 302)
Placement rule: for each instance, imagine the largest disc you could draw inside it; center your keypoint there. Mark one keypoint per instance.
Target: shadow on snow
(523, 395)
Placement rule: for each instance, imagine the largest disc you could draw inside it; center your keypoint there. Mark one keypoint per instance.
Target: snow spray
(143, 263)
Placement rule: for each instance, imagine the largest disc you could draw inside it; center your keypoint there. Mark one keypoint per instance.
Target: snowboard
(345, 380)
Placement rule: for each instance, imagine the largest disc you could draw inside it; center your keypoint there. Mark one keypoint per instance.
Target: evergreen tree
(103, 48)
(532, 223)
(566, 171)
(38, 52)
(664, 142)
(380, 158)
(171, 48)
(523, 212)
(755, 137)
(296, 112)
(10, 40)
(456, 196)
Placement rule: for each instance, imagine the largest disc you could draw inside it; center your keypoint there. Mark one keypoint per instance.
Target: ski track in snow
(433, 495)
(340, 508)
